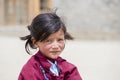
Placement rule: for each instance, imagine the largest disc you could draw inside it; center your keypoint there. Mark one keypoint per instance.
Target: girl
(47, 34)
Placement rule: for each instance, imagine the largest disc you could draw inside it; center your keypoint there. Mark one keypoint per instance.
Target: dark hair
(42, 26)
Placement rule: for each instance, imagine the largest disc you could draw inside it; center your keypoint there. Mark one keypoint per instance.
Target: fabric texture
(54, 68)
(38, 68)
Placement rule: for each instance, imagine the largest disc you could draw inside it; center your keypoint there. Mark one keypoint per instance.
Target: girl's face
(53, 45)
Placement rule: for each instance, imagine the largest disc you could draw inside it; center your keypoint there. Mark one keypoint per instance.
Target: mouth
(55, 52)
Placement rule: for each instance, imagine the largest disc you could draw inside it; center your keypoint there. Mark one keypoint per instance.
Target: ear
(34, 42)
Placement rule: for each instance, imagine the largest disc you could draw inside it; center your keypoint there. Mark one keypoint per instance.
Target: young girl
(47, 34)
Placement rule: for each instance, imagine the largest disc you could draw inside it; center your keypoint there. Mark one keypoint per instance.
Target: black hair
(42, 26)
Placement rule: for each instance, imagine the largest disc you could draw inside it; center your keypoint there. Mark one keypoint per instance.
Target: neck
(52, 60)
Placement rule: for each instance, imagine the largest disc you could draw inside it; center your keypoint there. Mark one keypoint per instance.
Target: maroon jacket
(32, 71)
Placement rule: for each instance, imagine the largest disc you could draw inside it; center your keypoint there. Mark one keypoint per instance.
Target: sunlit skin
(53, 45)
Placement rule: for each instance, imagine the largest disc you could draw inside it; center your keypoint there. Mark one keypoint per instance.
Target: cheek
(62, 45)
(47, 47)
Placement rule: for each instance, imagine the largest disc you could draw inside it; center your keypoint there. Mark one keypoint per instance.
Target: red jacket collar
(44, 60)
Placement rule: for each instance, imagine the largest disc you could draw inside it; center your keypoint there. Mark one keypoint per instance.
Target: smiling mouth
(55, 51)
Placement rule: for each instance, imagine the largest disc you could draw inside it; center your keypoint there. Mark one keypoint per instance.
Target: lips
(55, 51)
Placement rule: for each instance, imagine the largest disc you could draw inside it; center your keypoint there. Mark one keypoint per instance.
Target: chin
(54, 57)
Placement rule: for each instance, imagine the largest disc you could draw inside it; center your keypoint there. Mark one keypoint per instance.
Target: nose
(55, 45)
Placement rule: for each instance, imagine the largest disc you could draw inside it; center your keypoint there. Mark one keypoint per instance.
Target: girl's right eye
(48, 41)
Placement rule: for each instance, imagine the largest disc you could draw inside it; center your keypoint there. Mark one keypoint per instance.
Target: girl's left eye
(60, 39)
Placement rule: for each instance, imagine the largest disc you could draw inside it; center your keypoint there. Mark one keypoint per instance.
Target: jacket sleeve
(30, 72)
(31, 76)
(73, 75)
(71, 71)
(21, 77)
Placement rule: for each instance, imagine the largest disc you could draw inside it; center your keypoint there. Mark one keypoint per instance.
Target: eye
(48, 41)
(60, 40)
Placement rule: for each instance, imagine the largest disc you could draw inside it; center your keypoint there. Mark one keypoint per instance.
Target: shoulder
(69, 70)
(30, 69)
(66, 64)
(31, 63)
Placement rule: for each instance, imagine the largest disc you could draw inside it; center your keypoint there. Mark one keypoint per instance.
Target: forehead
(59, 33)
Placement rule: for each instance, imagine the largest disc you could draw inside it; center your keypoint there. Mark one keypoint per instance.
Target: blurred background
(95, 24)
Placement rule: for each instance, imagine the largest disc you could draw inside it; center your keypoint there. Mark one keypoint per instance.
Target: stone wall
(91, 19)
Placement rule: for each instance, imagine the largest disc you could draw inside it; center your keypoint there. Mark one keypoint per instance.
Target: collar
(43, 61)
